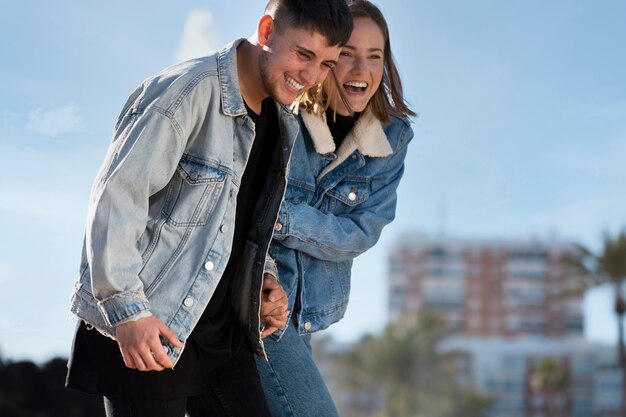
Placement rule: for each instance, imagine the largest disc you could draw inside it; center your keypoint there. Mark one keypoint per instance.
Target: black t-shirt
(217, 336)
(96, 364)
(340, 125)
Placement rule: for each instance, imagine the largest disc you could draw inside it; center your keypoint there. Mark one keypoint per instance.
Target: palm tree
(404, 375)
(550, 377)
(609, 267)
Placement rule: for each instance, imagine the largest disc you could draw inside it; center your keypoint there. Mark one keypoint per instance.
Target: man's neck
(250, 82)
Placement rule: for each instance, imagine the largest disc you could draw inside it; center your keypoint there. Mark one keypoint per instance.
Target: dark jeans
(234, 391)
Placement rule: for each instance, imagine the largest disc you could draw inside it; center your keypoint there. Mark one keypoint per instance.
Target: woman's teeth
(355, 86)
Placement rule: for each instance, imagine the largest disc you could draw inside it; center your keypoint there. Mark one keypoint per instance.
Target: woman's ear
(265, 29)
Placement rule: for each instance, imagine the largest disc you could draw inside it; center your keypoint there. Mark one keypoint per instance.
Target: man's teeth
(294, 84)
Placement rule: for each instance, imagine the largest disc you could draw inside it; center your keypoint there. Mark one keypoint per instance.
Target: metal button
(278, 226)
(224, 228)
(209, 266)
(188, 302)
(307, 325)
(352, 196)
(354, 156)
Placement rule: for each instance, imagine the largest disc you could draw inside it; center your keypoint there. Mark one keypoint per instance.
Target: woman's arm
(342, 237)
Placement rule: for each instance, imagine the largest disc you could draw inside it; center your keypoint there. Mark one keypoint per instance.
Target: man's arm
(141, 161)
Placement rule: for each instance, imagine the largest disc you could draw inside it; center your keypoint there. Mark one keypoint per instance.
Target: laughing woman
(343, 178)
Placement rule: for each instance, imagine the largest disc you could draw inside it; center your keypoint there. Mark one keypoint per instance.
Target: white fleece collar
(367, 136)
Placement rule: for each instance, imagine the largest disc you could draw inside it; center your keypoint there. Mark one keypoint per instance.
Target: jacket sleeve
(270, 267)
(336, 238)
(141, 160)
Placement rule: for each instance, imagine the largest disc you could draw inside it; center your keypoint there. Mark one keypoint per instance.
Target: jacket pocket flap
(199, 173)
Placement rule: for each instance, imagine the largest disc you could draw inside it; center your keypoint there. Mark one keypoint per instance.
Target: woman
(343, 177)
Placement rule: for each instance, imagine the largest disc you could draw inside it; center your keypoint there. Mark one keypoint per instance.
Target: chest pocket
(193, 193)
(347, 195)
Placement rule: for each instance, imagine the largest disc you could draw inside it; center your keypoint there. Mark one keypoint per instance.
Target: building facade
(488, 288)
(514, 309)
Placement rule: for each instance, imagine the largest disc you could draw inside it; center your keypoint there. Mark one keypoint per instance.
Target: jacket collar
(367, 136)
(232, 102)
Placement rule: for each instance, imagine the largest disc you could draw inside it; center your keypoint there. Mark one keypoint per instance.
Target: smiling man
(173, 297)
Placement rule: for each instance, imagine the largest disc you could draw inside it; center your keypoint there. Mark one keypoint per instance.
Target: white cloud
(198, 38)
(55, 122)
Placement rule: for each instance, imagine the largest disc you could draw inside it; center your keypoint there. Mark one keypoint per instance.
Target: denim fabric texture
(161, 214)
(336, 205)
(292, 383)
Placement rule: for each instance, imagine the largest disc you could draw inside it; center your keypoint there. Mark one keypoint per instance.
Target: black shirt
(217, 335)
(340, 125)
(96, 364)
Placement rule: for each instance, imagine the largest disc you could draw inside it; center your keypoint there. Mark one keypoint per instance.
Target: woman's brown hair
(388, 98)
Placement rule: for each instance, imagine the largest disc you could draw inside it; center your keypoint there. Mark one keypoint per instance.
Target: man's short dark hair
(329, 18)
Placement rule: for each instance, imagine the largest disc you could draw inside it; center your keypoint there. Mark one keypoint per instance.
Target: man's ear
(265, 29)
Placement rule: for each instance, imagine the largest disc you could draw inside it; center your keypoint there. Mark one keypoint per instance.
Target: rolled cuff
(123, 307)
(270, 268)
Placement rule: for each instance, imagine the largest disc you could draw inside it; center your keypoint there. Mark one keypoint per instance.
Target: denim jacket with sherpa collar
(335, 208)
(162, 209)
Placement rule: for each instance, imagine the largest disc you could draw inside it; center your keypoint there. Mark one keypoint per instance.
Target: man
(180, 219)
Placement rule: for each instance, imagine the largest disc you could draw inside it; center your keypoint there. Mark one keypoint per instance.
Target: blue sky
(521, 133)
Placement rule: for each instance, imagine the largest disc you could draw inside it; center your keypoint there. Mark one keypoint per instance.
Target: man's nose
(313, 75)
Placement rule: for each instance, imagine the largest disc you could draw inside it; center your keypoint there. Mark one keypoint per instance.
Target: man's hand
(140, 344)
(274, 305)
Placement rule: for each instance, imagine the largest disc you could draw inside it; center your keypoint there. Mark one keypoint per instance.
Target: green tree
(550, 376)
(402, 374)
(609, 267)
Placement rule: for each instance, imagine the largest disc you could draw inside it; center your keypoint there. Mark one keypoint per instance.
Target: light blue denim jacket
(162, 209)
(335, 208)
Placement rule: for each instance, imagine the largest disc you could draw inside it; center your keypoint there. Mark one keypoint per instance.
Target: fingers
(273, 300)
(267, 331)
(278, 322)
(277, 312)
(273, 322)
(146, 361)
(272, 290)
(170, 336)
(140, 344)
(128, 359)
(145, 358)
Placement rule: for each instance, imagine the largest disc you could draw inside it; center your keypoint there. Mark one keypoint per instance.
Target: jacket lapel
(367, 136)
